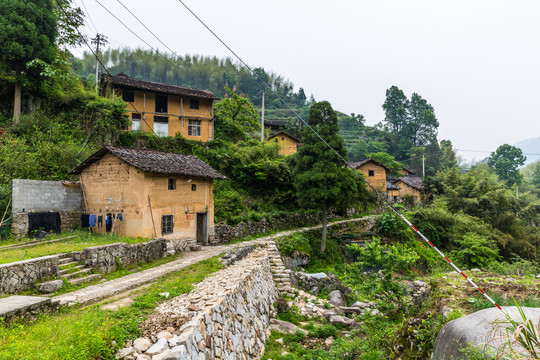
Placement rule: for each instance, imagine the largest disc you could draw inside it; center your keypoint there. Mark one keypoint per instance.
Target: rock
(446, 311)
(284, 326)
(50, 286)
(478, 329)
(329, 313)
(342, 320)
(279, 341)
(163, 356)
(360, 305)
(164, 335)
(143, 357)
(194, 307)
(329, 341)
(158, 347)
(124, 353)
(350, 310)
(336, 298)
(142, 344)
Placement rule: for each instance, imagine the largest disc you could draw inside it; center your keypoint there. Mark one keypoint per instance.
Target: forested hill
(200, 72)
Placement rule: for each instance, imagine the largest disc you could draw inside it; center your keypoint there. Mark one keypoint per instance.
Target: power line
(348, 164)
(489, 152)
(89, 17)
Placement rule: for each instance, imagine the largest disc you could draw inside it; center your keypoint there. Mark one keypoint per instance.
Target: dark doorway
(108, 222)
(44, 221)
(202, 228)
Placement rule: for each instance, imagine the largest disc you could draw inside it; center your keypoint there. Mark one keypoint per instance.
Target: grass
(92, 333)
(84, 240)
(480, 302)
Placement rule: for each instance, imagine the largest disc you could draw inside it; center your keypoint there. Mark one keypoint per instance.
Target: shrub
(324, 331)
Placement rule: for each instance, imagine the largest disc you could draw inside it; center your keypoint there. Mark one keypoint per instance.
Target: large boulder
(479, 329)
(336, 298)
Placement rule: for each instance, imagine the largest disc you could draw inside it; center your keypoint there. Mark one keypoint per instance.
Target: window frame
(136, 118)
(167, 224)
(194, 125)
(128, 95)
(371, 173)
(171, 184)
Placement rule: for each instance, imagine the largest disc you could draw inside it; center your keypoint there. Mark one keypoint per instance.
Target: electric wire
(381, 196)
(89, 17)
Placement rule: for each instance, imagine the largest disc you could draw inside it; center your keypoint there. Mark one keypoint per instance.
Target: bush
(475, 251)
(289, 244)
(324, 331)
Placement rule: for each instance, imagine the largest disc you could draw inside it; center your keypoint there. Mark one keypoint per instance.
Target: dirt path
(111, 288)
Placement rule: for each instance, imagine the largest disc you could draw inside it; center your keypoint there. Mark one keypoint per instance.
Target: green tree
(506, 161)
(236, 119)
(395, 109)
(387, 160)
(421, 126)
(321, 180)
(535, 179)
(448, 156)
(29, 31)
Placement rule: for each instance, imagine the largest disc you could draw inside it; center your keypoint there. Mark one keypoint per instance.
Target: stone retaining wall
(20, 275)
(226, 316)
(225, 233)
(107, 258)
(69, 220)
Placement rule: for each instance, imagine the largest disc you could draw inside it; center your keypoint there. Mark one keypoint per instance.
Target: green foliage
(375, 265)
(324, 331)
(298, 241)
(475, 251)
(506, 161)
(235, 119)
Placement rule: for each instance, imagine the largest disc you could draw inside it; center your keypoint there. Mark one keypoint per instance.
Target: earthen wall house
(165, 109)
(158, 194)
(374, 172)
(288, 144)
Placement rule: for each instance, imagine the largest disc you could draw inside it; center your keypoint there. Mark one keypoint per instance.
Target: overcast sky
(476, 62)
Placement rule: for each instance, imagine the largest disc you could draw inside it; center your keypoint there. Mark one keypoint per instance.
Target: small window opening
(161, 103)
(371, 173)
(167, 224)
(193, 187)
(194, 127)
(172, 184)
(194, 104)
(128, 95)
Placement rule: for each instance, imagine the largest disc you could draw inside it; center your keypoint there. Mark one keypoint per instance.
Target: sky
(477, 62)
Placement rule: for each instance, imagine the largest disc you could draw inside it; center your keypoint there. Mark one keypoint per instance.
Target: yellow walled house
(374, 172)
(288, 143)
(408, 184)
(164, 109)
(149, 193)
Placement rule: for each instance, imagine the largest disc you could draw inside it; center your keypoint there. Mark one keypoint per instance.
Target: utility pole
(100, 39)
(423, 166)
(262, 118)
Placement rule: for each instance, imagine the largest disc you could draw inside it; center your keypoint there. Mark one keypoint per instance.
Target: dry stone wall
(226, 316)
(20, 275)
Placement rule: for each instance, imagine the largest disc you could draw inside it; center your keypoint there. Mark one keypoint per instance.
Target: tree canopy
(321, 179)
(506, 161)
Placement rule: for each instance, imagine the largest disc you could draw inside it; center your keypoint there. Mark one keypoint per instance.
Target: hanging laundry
(92, 220)
(107, 220)
(121, 217)
(85, 220)
(100, 221)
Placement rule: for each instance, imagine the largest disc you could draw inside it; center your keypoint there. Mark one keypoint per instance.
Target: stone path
(17, 305)
(110, 288)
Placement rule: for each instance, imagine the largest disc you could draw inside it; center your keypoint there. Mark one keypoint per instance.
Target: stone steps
(70, 270)
(76, 274)
(280, 274)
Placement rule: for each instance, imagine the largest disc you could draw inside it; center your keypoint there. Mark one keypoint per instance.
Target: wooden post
(116, 214)
(152, 215)
(5, 212)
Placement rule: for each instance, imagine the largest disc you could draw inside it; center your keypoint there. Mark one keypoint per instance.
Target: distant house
(396, 187)
(374, 172)
(288, 143)
(149, 193)
(164, 109)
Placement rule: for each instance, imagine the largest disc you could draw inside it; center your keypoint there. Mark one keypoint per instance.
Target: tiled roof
(276, 122)
(391, 186)
(124, 81)
(413, 181)
(283, 133)
(154, 161)
(356, 165)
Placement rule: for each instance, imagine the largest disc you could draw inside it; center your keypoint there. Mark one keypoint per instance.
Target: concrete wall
(39, 196)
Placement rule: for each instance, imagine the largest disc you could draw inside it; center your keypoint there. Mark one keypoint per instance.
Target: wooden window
(371, 172)
(135, 122)
(161, 125)
(194, 104)
(161, 103)
(128, 95)
(167, 224)
(172, 184)
(194, 127)
(193, 187)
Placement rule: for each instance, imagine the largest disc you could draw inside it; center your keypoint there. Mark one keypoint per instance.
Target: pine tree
(322, 179)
